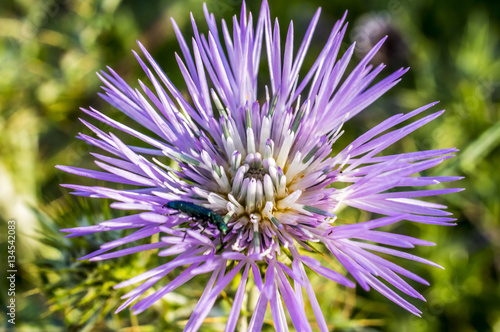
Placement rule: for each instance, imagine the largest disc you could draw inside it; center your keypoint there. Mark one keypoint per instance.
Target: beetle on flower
(265, 165)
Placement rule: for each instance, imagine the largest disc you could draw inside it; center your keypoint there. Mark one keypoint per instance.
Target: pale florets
(261, 187)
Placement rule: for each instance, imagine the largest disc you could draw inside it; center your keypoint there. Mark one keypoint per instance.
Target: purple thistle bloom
(265, 166)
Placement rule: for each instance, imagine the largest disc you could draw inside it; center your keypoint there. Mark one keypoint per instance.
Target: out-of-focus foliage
(49, 52)
(78, 294)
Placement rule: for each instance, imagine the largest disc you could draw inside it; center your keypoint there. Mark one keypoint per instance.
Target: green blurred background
(49, 53)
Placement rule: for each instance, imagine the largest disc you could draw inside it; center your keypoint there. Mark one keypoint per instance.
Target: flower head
(256, 183)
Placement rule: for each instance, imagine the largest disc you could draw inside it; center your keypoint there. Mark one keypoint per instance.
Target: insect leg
(172, 214)
(221, 236)
(204, 223)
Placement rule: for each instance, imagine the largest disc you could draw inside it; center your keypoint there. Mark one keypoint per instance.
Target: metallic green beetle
(199, 213)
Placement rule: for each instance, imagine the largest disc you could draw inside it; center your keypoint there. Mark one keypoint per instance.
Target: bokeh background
(49, 53)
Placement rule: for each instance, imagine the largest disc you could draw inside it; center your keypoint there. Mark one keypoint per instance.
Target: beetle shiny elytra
(199, 213)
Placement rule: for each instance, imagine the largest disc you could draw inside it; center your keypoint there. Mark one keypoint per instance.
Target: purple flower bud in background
(367, 32)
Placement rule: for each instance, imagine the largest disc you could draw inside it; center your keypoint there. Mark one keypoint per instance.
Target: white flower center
(259, 187)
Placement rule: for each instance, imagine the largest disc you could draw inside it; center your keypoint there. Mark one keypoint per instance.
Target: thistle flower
(265, 166)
